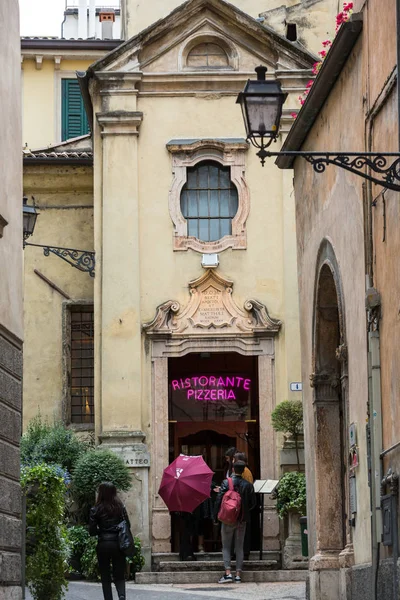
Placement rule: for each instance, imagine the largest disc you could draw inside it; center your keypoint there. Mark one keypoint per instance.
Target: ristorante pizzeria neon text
(210, 388)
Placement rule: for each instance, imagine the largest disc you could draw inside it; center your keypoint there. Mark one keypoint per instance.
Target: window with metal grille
(74, 120)
(209, 201)
(207, 55)
(82, 365)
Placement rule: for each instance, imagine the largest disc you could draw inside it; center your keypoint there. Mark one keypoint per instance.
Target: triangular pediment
(212, 311)
(158, 48)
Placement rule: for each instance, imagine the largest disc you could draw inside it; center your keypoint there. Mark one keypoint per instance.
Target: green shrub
(37, 431)
(46, 564)
(84, 559)
(51, 444)
(291, 494)
(92, 469)
(136, 563)
(90, 565)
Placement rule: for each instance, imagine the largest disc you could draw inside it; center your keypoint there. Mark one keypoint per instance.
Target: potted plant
(288, 418)
(291, 492)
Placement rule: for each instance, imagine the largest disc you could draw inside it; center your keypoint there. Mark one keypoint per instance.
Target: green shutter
(74, 120)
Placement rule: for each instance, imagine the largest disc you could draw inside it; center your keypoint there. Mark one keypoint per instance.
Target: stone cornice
(224, 145)
(120, 122)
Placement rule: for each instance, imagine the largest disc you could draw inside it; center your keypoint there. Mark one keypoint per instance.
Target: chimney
(82, 19)
(92, 18)
(107, 19)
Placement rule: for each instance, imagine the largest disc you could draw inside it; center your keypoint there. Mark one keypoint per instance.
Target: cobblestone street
(253, 591)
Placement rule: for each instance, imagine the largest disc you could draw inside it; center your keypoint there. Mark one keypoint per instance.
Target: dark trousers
(108, 553)
(185, 535)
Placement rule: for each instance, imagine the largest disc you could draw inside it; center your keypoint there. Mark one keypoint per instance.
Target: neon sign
(209, 388)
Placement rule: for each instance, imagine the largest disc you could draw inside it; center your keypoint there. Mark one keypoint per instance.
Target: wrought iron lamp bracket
(375, 167)
(83, 260)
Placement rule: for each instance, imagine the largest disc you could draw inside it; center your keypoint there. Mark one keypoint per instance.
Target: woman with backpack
(105, 517)
(235, 500)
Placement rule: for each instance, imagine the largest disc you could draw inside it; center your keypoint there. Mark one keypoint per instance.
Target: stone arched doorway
(330, 407)
(211, 323)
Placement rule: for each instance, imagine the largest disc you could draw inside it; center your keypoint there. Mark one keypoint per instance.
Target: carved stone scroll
(212, 311)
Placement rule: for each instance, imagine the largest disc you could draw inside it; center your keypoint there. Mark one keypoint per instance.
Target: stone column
(161, 524)
(324, 565)
(117, 298)
(268, 469)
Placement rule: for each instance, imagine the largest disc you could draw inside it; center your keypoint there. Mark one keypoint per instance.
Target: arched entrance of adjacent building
(329, 380)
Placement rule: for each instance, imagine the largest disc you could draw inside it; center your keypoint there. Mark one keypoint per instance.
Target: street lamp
(83, 260)
(29, 218)
(261, 102)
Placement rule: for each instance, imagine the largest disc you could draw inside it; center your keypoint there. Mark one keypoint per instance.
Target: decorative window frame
(211, 37)
(228, 153)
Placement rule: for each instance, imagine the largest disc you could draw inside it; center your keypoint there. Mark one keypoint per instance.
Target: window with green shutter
(74, 120)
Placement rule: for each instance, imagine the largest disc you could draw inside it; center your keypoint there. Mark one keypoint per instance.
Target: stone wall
(10, 494)
(10, 302)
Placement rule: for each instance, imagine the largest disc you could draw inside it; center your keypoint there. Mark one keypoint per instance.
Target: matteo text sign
(135, 459)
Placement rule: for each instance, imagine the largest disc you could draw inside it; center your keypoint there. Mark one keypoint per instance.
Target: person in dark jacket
(248, 498)
(104, 518)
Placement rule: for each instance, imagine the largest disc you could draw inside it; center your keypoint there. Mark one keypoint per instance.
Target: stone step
(180, 577)
(158, 557)
(214, 565)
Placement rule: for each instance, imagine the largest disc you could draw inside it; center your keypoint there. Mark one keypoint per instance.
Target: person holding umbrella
(235, 500)
(185, 484)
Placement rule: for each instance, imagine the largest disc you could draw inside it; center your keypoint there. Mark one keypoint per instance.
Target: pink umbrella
(186, 482)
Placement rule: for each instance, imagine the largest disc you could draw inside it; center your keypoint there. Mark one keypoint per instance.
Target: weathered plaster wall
(382, 95)
(11, 294)
(64, 196)
(315, 18)
(324, 204)
(41, 99)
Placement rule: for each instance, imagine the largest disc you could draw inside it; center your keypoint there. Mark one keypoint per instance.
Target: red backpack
(231, 506)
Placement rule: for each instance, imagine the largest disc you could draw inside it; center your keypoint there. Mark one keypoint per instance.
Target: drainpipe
(373, 303)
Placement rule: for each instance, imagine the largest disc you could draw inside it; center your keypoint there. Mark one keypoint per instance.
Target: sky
(41, 17)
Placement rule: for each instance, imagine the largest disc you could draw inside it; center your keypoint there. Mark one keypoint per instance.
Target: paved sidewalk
(244, 591)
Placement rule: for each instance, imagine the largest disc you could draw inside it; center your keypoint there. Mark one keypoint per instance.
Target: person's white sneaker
(226, 579)
(238, 579)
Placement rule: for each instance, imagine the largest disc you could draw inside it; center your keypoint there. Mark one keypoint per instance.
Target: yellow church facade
(186, 336)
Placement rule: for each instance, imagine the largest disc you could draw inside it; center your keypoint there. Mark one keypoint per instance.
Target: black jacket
(246, 491)
(105, 527)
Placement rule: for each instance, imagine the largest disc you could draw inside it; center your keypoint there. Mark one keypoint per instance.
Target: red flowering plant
(341, 18)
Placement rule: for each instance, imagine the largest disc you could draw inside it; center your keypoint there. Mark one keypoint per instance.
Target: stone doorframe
(161, 350)
(211, 322)
(333, 552)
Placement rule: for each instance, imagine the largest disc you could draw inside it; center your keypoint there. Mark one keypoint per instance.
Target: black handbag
(125, 538)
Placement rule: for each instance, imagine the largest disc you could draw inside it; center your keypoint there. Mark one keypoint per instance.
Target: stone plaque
(135, 459)
(211, 310)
